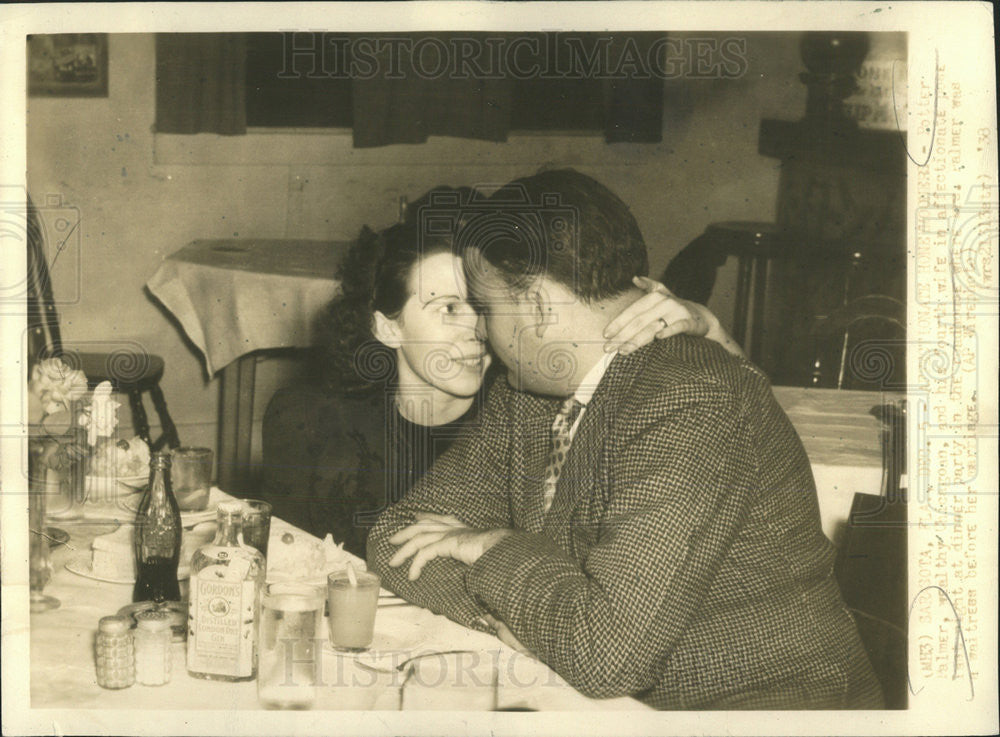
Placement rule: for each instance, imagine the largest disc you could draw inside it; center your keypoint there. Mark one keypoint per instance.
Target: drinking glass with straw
(353, 599)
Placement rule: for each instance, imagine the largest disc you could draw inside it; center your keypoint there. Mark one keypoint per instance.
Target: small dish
(136, 483)
(103, 488)
(81, 566)
(389, 650)
(387, 661)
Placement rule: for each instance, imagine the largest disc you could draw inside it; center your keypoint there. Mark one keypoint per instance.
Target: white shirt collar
(588, 385)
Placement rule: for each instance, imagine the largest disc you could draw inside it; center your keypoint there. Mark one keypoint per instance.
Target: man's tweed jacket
(682, 560)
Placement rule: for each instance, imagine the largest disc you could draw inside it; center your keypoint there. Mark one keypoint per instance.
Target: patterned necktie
(560, 447)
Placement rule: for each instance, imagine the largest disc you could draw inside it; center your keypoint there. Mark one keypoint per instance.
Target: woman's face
(440, 335)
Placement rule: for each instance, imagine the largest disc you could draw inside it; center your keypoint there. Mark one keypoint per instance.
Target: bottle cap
(153, 621)
(114, 625)
(231, 507)
(160, 459)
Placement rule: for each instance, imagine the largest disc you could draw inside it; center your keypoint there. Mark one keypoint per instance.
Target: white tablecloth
(233, 297)
(62, 658)
(841, 438)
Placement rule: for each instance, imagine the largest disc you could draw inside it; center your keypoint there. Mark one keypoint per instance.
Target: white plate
(187, 518)
(393, 643)
(318, 580)
(336, 560)
(80, 565)
(136, 483)
(107, 488)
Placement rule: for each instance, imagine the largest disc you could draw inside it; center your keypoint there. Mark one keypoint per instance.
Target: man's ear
(540, 303)
(387, 331)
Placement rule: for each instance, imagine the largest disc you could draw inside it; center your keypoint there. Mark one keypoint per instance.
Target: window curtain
(407, 109)
(201, 88)
(410, 107)
(201, 83)
(634, 105)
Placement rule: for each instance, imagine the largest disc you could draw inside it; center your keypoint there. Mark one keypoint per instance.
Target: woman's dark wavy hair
(375, 275)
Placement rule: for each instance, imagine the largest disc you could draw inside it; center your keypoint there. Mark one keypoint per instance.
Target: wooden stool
(754, 244)
(691, 274)
(130, 372)
(133, 374)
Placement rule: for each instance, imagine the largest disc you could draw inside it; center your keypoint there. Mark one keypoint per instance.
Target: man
(644, 524)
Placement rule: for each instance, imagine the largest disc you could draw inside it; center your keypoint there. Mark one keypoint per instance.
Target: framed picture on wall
(68, 65)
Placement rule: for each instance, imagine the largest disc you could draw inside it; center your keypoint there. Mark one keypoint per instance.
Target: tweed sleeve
(608, 617)
(468, 481)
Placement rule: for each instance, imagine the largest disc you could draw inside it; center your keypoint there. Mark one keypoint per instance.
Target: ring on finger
(662, 322)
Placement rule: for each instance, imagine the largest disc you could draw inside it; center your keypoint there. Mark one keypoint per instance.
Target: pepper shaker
(115, 653)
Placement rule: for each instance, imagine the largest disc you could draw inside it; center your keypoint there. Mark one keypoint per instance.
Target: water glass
(191, 477)
(67, 464)
(290, 646)
(39, 560)
(256, 524)
(352, 610)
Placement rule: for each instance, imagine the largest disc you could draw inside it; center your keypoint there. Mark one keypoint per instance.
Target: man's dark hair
(586, 239)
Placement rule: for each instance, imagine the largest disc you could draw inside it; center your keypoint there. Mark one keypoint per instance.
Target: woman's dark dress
(332, 463)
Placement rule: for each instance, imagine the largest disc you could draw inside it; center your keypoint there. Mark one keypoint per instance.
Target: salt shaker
(115, 653)
(152, 648)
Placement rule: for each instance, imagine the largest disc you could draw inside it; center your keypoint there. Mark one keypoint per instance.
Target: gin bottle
(226, 580)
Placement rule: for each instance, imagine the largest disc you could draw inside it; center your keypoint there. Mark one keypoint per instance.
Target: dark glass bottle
(157, 537)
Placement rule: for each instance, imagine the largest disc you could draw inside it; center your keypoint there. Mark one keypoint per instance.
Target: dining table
(62, 662)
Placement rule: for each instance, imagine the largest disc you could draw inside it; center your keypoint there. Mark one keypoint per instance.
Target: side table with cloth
(234, 297)
(841, 438)
(62, 655)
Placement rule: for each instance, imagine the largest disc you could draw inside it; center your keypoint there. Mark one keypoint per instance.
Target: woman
(407, 368)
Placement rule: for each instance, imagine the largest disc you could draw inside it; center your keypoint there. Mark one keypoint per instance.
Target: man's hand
(441, 536)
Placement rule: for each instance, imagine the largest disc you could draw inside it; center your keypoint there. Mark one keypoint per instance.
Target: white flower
(102, 417)
(56, 384)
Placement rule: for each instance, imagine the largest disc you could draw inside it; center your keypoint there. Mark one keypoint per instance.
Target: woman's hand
(659, 315)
